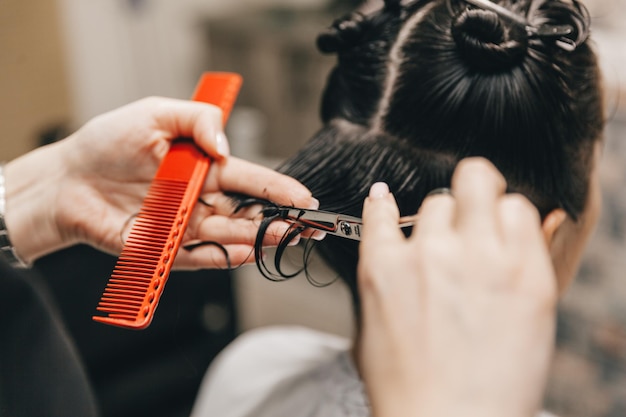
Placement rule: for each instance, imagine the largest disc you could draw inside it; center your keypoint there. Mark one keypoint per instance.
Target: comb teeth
(142, 268)
(136, 284)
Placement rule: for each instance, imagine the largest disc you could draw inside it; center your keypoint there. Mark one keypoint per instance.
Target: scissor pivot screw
(345, 228)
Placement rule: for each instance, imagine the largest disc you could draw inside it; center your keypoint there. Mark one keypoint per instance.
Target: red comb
(136, 284)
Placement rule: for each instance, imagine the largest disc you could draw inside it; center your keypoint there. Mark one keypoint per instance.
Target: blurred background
(65, 61)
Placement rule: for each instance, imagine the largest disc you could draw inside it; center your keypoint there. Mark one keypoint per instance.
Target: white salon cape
(284, 371)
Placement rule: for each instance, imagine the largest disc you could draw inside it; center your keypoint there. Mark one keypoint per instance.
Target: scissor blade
(335, 224)
(315, 219)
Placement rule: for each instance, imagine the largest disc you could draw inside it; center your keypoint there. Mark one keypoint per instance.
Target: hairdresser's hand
(84, 188)
(458, 320)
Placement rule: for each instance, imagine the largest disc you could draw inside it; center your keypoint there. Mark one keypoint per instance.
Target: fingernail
(315, 204)
(294, 241)
(318, 235)
(379, 190)
(222, 146)
(441, 190)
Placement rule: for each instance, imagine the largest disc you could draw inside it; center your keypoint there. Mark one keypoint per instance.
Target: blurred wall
(122, 50)
(33, 82)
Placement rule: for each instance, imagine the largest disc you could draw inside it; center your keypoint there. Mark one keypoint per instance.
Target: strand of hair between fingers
(395, 60)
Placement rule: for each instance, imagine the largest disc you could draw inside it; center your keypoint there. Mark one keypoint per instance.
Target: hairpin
(560, 32)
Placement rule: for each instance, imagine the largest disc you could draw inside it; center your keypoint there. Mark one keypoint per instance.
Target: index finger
(239, 176)
(476, 186)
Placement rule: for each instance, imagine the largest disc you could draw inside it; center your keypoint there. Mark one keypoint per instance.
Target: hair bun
(343, 34)
(485, 43)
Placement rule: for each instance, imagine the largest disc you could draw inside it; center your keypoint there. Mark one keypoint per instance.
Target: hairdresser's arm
(84, 188)
(458, 320)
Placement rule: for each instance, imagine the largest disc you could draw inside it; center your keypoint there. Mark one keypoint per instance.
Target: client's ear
(551, 223)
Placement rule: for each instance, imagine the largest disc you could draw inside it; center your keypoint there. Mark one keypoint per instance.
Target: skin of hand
(458, 319)
(85, 188)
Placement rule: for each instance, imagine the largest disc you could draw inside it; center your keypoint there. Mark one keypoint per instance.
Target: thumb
(380, 217)
(200, 121)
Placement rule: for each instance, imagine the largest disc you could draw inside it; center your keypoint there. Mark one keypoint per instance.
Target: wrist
(7, 250)
(31, 187)
(442, 403)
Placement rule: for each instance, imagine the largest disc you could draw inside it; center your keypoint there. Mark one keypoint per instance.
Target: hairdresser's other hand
(83, 189)
(459, 319)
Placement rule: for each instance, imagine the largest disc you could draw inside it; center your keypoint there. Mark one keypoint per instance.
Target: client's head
(419, 85)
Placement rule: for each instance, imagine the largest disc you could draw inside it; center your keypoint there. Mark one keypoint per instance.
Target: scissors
(335, 224)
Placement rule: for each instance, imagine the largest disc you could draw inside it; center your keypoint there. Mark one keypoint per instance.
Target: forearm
(32, 183)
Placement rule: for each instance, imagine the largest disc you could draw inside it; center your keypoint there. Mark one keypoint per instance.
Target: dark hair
(419, 86)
